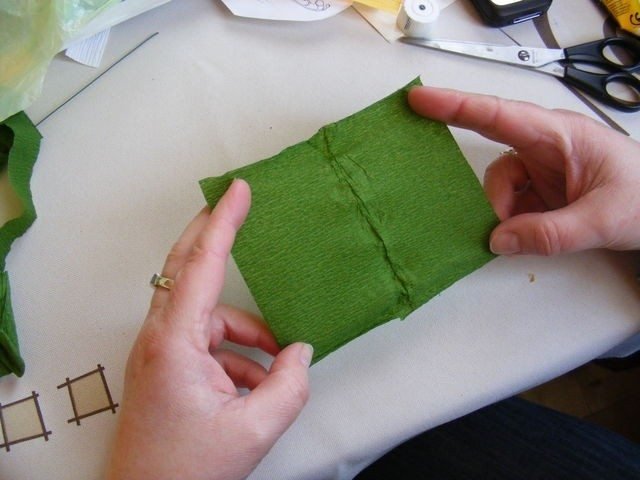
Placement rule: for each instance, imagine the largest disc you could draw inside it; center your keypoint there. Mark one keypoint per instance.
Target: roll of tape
(418, 17)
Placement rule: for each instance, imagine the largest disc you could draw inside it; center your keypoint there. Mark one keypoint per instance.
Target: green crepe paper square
(361, 224)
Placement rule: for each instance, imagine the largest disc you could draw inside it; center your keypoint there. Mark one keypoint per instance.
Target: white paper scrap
(90, 51)
(383, 22)
(292, 10)
(112, 16)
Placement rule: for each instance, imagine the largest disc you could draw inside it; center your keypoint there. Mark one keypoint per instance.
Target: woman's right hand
(569, 183)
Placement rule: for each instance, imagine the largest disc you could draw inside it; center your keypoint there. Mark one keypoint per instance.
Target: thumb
(280, 397)
(568, 229)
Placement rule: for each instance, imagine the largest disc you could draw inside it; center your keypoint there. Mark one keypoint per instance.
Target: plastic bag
(32, 32)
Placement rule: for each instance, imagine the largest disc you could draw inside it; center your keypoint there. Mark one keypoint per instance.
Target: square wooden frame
(7, 442)
(68, 384)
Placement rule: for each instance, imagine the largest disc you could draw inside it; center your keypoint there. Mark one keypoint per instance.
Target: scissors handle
(594, 53)
(596, 85)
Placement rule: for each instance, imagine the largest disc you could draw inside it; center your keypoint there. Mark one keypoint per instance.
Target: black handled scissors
(561, 63)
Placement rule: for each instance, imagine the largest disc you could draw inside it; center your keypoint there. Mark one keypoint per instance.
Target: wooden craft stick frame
(76, 415)
(8, 442)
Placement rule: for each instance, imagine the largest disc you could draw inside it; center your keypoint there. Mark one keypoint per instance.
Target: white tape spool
(418, 17)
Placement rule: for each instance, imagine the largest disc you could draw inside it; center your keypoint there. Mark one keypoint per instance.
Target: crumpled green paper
(32, 32)
(19, 146)
(361, 224)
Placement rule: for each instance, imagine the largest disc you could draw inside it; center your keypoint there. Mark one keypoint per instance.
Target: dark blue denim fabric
(512, 439)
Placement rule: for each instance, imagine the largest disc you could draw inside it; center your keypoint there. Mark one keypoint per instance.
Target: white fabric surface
(116, 181)
(626, 348)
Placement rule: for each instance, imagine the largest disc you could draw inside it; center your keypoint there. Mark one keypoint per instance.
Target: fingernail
(505, 244)
(306, 354)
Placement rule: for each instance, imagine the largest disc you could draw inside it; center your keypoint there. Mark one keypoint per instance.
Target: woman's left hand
(182, 416)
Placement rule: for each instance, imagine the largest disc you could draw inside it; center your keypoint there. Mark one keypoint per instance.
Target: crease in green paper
(348, 171)
(19, 146)
(361, 224)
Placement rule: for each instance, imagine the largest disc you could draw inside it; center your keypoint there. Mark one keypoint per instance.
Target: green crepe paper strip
(19, 146)
(361, 224)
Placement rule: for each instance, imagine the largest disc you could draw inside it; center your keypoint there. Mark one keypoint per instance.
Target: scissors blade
(511, 54)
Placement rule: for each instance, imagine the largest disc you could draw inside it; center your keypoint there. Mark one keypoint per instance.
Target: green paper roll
(19, 146)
